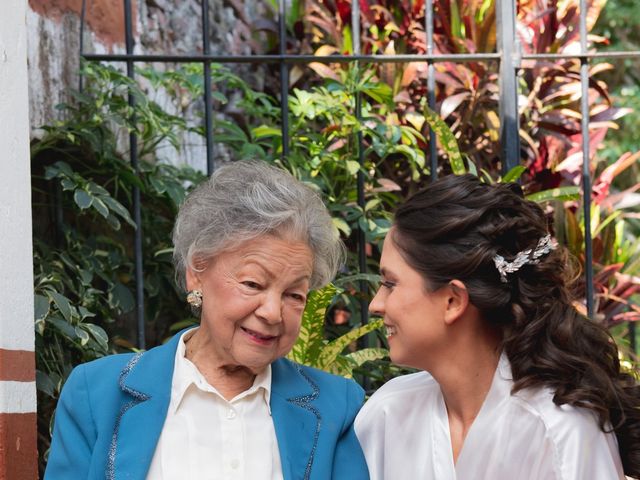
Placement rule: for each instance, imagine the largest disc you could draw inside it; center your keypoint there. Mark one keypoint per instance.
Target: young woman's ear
(457, 298)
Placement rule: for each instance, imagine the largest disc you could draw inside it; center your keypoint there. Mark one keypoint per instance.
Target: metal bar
(508, 105)
(561, 56)
(362, 243)
(137, 215)
(586, 171)
(400, 58)
(363, 286)
(284, 79)
(208, 107)
(81, 46)
(58, 212)
(296, 59)
(431, 87)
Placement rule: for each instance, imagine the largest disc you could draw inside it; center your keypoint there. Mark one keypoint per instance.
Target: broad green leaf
(119, 209)
(100, 207)
(63, 304)
(311, 337)
(85, 276)
(342, 366)
(113, 222)
(176, 193)
(121, 297)
(368, 355)
(331, 351)
(456, 25)
(82, 199)
(352, 167)
(573, 232)
(96, 189)
(514, 174)
(347, 43)
(64, 327)
(374, 202)
(471, 167)
(219, 96)
(68, 184)
(82, 335)
(447, 140)
(482, 11)
(606, 222)
(561, 194)
(341, 225)
(41, 307)
(415, 119)
(266, 131)
(99, 334)
(595, 218)
(84, 313)
(157, 184)
(380, 92)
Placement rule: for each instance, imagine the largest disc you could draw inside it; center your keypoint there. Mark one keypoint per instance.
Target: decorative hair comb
(528, 256)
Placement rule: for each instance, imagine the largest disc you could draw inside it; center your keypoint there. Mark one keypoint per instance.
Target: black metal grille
(509, 60)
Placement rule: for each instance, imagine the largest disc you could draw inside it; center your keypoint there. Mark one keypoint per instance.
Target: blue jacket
(111, 412)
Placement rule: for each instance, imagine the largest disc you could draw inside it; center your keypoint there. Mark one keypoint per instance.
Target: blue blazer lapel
(147, 381)
(296, 420)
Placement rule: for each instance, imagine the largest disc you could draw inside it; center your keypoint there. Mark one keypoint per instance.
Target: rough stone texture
(161, 27)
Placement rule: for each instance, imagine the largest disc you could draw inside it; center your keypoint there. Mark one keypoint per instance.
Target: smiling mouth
(259, 337)
(390, 330)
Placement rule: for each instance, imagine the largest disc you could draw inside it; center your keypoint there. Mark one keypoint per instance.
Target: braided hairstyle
(453, 229)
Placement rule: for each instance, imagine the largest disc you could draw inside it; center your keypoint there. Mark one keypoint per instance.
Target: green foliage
(323, 146)
(83, 232)
(314, 350)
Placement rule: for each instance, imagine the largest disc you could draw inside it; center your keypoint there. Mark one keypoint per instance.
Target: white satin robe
(404, 433)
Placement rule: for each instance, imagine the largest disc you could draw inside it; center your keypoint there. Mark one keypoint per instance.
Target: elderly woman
(219, 401)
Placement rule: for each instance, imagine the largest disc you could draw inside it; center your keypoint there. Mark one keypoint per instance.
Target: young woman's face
(413, 316)
(253, 297)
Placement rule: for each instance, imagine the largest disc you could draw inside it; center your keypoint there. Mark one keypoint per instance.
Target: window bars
(508, 56)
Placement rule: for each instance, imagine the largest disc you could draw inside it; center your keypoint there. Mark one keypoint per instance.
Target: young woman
(515, 383)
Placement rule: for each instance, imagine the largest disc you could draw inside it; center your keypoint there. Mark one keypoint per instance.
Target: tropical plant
(313, 349)
(616, 256)
(83, 233)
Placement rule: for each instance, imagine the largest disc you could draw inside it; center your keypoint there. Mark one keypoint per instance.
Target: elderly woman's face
(253, 299)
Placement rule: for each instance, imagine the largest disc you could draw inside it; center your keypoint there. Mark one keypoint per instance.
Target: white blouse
(206, 437)
(404, 433)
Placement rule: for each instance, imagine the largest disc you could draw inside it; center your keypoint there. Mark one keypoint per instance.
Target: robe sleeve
(583, 449)
(369, 427)
(74, 432)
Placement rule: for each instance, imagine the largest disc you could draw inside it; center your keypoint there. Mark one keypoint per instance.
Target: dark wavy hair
(453, 229)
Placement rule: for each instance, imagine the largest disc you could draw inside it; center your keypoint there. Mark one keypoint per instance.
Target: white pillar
(18, 456)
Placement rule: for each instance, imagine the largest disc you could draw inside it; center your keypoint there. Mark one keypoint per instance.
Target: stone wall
(161, 27)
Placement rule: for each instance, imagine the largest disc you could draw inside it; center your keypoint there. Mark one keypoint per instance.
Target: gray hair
(243, 200)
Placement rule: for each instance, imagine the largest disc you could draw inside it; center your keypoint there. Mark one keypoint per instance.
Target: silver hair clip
(528, 256)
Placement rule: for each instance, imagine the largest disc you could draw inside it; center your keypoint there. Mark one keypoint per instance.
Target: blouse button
(231, 414)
